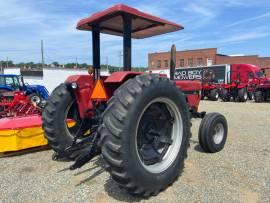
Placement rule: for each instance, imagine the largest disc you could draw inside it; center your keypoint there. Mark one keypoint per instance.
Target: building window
(199, 62)
(153, 64)
(209, 62)
(159, 64)
(250, 75)
(182, 62)
(190, 62)
(166, 63)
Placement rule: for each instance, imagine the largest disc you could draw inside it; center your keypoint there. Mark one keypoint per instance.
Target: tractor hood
(144, 25)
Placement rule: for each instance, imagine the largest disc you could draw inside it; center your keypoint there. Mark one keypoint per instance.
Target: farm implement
(20, 122)
(13, 104)
(139, 123)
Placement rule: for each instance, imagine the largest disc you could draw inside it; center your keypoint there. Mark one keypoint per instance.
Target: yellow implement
(19, 133)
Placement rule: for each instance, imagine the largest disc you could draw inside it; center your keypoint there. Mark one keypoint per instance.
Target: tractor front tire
(213, 132)
(60, 107)
(145, 134)
(35, 98)
(213, 96)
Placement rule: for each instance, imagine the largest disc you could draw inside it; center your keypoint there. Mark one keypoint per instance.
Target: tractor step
(85, 156)
(84, 150)
(84, 143)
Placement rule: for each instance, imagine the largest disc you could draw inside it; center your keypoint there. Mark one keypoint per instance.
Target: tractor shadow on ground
(111, 188)
(98, 163)
(24, 152)
(115, 192)
(197, 147)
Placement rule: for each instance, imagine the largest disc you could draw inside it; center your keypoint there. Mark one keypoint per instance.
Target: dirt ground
(239, 173)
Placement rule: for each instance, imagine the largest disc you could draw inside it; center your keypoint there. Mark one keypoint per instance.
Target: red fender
(83, 92)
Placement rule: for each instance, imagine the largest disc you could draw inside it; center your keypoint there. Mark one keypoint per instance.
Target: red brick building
(203, 57)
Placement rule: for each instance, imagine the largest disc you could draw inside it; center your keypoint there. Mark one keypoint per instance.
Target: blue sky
(233, 26)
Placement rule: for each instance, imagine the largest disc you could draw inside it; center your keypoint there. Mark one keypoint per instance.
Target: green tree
(56, 64)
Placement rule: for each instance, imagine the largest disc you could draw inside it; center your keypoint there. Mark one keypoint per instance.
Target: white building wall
(51, 77)
(162, 71)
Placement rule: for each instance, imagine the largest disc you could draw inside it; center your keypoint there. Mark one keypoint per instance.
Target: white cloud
(265, 15)
(199, 9)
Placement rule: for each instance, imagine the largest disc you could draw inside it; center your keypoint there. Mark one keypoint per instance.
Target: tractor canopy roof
(111, 22)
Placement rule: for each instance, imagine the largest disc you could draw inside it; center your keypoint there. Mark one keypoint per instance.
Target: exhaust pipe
(172, 62)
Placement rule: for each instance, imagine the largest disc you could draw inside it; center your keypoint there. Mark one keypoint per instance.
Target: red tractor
(262, 86)
(242, 80)
(139, 123)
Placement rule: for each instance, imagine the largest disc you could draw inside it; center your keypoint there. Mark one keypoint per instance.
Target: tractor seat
(189, 85)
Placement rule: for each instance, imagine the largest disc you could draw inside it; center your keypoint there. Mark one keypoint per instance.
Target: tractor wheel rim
(69, 133)
(169, 151)
(35, 99)
(218, 133)
(216, 95)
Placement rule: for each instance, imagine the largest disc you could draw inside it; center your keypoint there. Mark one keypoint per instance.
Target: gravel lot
(239, 173)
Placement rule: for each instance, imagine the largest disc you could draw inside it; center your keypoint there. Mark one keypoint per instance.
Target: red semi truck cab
(245, 73)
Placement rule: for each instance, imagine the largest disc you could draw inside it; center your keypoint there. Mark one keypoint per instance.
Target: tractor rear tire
(55, 115)
(213, 96)
(213, 132)
(242, 95)
(258, 96)
(136, 126)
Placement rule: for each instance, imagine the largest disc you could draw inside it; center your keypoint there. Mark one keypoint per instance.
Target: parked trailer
(212, 78)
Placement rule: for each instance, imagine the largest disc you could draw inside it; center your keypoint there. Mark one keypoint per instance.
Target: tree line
(32, 65)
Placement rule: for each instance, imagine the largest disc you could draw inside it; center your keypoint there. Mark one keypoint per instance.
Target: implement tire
(213, 95)
(258, 96)
(146, 113)
(224, 95)
(242, 95)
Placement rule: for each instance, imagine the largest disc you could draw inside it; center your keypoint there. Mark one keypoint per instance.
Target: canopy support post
(96, 50)
(127, 28)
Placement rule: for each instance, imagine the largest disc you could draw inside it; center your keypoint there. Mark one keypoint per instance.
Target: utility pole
(107, 63)
(42, 54)
(1, 65)
(7, 62)
(76, 62)
(120, 59)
